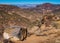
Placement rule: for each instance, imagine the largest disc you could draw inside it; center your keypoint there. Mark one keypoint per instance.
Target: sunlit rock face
(11, 32)
(6, 35)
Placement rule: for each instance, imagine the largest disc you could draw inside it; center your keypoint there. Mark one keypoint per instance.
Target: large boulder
(15, 33)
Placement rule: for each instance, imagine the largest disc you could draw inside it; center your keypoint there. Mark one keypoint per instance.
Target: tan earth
(50, 38)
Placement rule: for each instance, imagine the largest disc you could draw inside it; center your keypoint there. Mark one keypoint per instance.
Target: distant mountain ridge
(31, 14)
(26, 5)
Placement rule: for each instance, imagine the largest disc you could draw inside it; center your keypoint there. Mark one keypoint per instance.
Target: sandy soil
(50, 38)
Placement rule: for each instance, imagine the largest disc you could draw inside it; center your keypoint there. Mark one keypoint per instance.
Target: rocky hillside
(42, 20)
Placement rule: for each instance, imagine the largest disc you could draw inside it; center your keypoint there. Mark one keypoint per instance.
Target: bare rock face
(11, 32)
(15, 33)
